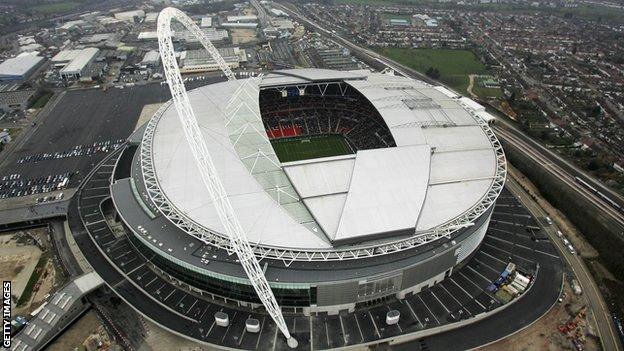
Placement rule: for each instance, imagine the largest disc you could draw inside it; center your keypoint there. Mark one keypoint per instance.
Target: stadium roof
(307, 75)
(442, 166)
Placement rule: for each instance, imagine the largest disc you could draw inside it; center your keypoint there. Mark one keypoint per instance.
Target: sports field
(305, 148)
(455, 65)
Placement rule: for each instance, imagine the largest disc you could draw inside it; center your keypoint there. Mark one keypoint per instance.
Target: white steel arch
(236, 235)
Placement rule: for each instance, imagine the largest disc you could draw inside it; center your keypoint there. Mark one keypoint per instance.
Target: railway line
(565, 177)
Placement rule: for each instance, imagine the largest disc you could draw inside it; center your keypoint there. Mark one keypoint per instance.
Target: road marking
(440, 302)
(132, 271)
(496, 258)
(344, 335)
(168, 296)
(487, 266)
(358, 326)
(413, 313)
(456, 300)
(427, 307)
(374, 324)
(193, 305)
(479, 274)
(260, 333)
(151, 281)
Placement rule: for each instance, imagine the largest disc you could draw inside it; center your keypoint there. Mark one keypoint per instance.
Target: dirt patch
(87, 331)
(242, 36)
(544, 334)
(17, 264)
(157, 338)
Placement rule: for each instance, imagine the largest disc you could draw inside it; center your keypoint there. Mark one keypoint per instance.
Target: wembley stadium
(349, 186)
(302, 198)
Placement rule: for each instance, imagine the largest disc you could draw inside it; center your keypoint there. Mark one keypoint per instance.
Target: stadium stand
(347, 112)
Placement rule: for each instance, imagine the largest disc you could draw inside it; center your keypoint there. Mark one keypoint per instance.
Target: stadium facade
(404, 206)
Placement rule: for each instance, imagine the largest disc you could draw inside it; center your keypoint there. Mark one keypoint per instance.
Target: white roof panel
(387, 190)
(461, 166)
(306, 75)
(327, 210)
(81, 60)
(445, 201)
(262, 218)
(18, 66)
(457, 138)
(321, 176)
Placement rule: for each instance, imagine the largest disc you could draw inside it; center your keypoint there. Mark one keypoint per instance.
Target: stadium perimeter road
(83, 117)
(175, 316)
(517, 316)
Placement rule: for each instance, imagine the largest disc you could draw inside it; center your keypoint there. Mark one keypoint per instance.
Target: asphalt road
(606, 329)
(62, 249)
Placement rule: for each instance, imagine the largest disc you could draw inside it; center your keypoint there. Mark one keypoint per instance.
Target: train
(604, 197)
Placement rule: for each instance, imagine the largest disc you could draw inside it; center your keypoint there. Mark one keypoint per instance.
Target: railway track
(564, 176)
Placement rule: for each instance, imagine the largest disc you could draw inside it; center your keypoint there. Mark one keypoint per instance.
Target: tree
(433, 72)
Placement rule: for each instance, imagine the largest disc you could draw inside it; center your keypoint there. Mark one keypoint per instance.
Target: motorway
(552, 162)
(506, 132)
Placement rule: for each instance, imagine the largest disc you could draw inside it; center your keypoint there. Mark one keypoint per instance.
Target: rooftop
(19, 66)
(81, 60)
(443, 165)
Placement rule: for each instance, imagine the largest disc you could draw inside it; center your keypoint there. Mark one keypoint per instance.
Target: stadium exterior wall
(331, 296)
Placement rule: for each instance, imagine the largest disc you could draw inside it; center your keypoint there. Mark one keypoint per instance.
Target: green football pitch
(305, 148)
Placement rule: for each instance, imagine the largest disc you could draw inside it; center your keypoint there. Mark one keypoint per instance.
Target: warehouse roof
(19, 66)
(80, 61)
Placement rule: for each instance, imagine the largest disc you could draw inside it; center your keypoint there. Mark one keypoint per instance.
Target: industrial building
(151, 58)
(79, 64)
(246, 25)
(246, 18)
(194, 61)
(213, 34)
(130, 15)
(206, 22)
(20, 67)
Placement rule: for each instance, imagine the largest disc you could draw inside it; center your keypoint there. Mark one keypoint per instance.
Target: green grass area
(55, 7)
(34, 278)
(484, 91)
(454, 65)
(305, 148)
(43, 99)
